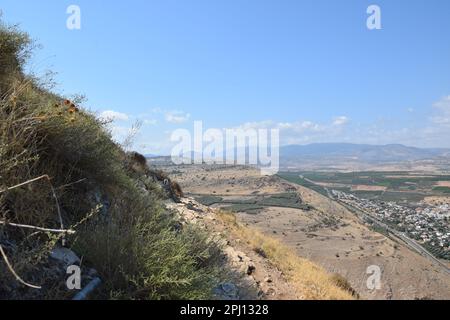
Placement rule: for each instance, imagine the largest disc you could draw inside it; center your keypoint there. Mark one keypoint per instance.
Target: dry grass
(311, 281)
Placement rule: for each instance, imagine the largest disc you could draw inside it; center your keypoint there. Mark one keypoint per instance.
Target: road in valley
(412, 244)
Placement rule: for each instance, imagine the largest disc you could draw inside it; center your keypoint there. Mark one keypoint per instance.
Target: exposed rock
(66, 256)
(250, 268)
(270, 292)
(227, 291)
(192, 206)
(261, 252)
(178, 226)
(138, 162)
(389, 294)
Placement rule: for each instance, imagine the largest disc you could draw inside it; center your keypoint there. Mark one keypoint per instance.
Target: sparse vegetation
(309, 280)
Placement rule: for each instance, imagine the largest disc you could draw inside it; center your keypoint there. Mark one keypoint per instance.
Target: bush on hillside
(130, 239)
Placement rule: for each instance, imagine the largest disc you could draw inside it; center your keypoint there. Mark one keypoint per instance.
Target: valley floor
(327, 234)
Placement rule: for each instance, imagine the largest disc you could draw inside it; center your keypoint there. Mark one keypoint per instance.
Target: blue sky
(310, 68)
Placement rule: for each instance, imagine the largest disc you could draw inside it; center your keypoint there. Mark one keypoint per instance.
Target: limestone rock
(66, 256)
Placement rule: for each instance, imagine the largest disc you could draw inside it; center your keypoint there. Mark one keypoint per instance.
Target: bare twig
(57, 205)
(25, 183)
(90, 215)
(71, 184)
(68, 231)
(8, 264)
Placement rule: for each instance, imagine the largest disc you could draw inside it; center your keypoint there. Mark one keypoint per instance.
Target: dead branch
(25, 183)
(71, 184)
(8, 264)
(24, 226)
(57, 205)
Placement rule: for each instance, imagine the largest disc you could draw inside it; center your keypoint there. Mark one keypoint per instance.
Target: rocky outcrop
(137, 164)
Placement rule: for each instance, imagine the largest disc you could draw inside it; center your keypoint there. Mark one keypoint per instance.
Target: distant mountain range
(360, 152)
(150, 155)
(348, 155)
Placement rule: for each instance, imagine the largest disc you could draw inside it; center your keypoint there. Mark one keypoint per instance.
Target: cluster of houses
(426, 223)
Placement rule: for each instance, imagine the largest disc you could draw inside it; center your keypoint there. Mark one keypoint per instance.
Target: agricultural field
(398, 186)
(254, 204)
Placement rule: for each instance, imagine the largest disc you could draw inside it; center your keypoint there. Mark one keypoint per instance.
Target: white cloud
(340, 121)
(429, 131)
(307, 126)
(110, 115)
(177, 117)
(444, 103)
(301, 132)
(442, 111)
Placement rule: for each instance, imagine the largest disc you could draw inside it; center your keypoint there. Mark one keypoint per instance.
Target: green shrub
(140, 255)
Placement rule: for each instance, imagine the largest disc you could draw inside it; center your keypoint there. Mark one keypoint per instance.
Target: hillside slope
(263, 267)
(67, 190)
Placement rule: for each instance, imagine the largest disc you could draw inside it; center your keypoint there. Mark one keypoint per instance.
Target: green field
(400, 186)
(442, 189)
(294, 177)
(256, 203)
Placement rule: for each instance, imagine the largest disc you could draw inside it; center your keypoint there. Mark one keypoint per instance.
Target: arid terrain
(318, 228)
